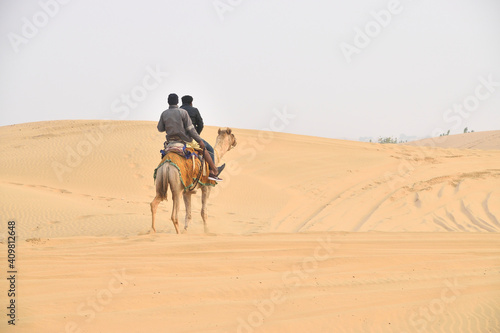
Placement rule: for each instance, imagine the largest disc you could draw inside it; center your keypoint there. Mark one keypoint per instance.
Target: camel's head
(225, 134)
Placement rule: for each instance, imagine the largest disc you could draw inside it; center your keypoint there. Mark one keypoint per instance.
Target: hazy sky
(338, 69)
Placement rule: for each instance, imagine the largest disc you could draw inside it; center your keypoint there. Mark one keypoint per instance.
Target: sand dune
(487, 140)
(307, 234)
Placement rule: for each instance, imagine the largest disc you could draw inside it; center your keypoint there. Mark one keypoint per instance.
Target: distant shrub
(445, 134)
(387, 140)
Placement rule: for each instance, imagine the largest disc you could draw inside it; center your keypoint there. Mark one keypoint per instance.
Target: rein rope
(202, 161)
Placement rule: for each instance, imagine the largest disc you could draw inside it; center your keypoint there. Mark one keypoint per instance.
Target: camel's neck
(221, 148)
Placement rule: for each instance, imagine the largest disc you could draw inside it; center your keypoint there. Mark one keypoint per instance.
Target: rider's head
(173, 99)
(187, 99)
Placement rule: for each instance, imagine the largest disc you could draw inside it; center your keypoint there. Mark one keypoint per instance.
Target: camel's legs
(205, 193)
(154, 206)
(187, 204)
(176, 198)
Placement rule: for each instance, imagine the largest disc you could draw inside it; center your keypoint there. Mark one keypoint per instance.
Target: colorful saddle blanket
(188, 168)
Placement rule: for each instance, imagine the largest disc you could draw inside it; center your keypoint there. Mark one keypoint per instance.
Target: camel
(168, 175)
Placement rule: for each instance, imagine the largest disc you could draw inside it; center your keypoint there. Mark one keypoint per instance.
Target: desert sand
(306, 234)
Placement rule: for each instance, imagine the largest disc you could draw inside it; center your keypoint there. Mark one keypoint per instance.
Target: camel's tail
(162, 181)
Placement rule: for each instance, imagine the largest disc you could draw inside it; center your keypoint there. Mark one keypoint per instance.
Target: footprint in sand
(105, 198)
(85, 217)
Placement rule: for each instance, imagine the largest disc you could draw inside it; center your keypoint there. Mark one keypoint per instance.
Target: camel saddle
(188, 164)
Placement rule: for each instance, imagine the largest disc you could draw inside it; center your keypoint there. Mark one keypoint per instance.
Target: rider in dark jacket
(196, 119)
(194, 113)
